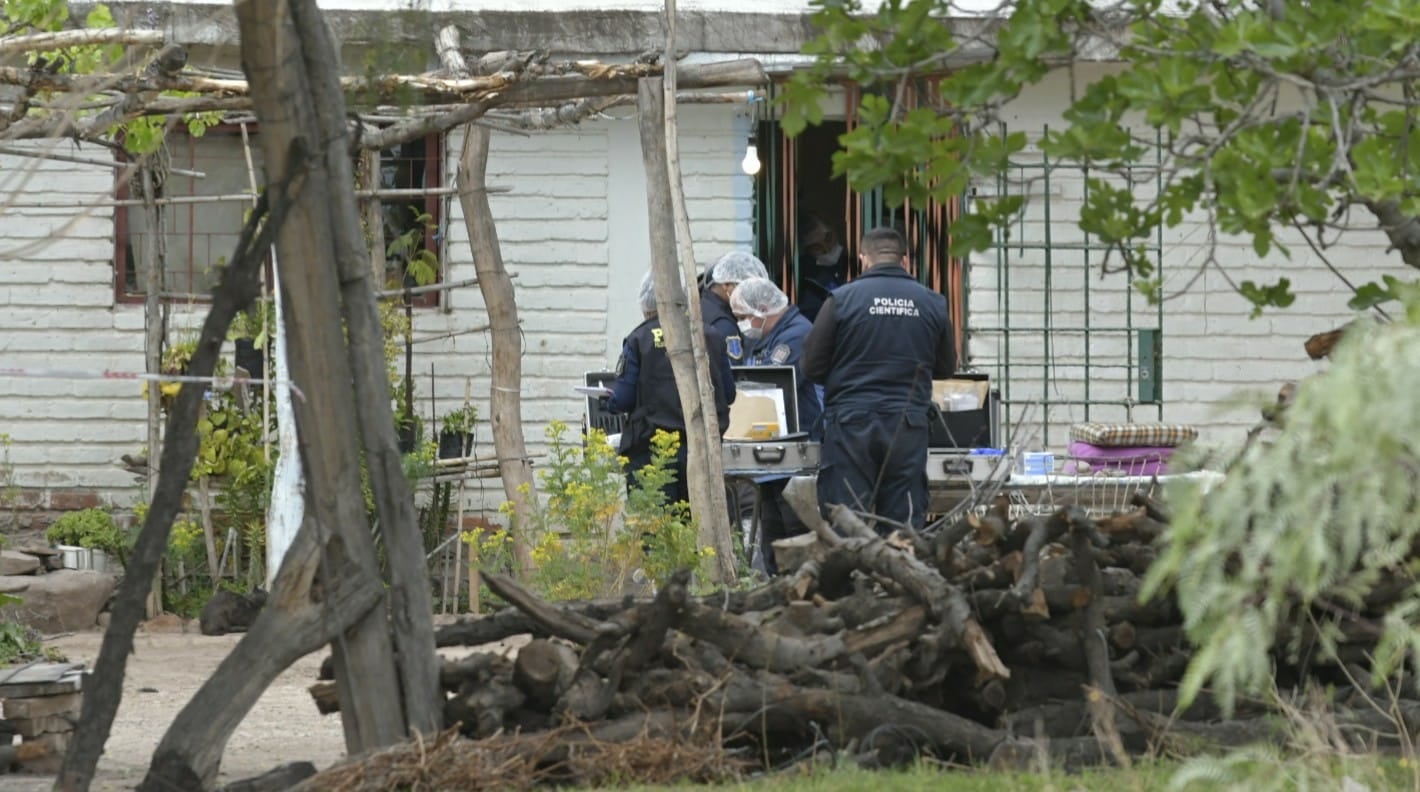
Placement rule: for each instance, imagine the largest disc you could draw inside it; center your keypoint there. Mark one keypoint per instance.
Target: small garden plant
(89, 528)
(591, 535)
(461, 420)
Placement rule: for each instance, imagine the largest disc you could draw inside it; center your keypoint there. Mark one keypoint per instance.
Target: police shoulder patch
(621, 366)
(733, 348)
(780, 354)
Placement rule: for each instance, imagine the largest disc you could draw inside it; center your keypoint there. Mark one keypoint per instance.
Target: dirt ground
(163, 673)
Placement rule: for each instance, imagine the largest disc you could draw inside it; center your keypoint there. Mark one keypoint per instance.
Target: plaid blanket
(1132, 435)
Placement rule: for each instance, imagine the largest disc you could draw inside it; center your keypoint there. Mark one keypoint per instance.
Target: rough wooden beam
(37, 42)
(581, 33)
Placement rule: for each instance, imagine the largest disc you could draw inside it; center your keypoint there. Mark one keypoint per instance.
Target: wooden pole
(154, 328)
(715, 529)
(671, 306)
(505, 397)
(411, 607)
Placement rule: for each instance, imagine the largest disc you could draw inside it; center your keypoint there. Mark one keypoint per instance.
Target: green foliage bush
(91, 528)
(591, 536)
(1303, 527)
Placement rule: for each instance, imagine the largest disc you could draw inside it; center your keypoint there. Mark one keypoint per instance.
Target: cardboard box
(766, 403)
(977, 428)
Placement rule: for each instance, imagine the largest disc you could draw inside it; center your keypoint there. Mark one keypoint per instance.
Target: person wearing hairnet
(876, 347)
(645, 389)
(727, 273)
(774, 333)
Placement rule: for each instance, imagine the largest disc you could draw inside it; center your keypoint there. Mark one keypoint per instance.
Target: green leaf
(1369, 295)
(1277, 295)
(99, 17)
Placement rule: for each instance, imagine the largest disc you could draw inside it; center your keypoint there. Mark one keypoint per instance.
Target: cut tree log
(863, 650)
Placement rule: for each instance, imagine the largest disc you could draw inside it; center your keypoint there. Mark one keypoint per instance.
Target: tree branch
(35, 42)
(1401, 229)
(238, 287)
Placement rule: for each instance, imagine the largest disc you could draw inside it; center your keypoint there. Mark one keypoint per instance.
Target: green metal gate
(1064, 340)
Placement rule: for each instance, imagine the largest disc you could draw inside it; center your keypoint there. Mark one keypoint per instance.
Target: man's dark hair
(883, 245)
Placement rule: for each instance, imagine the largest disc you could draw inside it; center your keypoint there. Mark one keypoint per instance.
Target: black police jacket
(879, 342)
(645, 370)
(717, 316)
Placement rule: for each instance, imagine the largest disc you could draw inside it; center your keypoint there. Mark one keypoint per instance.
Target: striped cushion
(1133, 435)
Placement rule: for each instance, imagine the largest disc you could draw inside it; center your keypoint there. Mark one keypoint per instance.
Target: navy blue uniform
(784, 346)
(645, 388)
(716, 314)
(876, 346)
(818, 279)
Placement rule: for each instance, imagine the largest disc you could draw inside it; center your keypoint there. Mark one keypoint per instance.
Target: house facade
(1062, 341)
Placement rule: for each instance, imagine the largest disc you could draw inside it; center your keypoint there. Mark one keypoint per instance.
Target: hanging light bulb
(750, 164)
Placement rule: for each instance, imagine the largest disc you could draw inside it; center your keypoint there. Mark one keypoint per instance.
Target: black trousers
(777, 520)
(877, 463)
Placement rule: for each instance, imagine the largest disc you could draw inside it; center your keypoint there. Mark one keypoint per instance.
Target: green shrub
(90, 528)
(1303, 528)
(590, 536)
(461, 420)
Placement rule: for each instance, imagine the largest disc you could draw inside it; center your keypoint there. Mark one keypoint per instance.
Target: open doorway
(802, 211)
(797, 193)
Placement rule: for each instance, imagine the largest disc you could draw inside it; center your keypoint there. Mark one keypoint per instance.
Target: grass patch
(1143, 777)
(1247, 769)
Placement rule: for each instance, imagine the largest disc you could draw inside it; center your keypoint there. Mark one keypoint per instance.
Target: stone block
(63, 600)
(43, 706)
(14, 563)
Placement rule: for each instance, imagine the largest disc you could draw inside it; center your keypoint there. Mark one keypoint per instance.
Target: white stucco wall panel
(1214, 356)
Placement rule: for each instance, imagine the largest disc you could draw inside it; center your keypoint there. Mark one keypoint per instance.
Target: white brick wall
(1214, 356)
(559, 224)
(56, 286)
(573, 230)
(573, 233)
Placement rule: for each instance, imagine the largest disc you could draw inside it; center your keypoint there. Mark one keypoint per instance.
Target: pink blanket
(1134, 461)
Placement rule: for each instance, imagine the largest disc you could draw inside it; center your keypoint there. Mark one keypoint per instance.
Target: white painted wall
(574, 232)
(56, 289)
(1215, 356)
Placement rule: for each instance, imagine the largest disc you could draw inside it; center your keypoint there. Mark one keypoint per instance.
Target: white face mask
(749, 331)
(830, 258)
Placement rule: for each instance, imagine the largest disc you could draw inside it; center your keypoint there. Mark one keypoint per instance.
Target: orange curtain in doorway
(927, 228)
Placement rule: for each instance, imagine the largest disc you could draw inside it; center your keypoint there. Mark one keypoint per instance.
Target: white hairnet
(647, 294)
(758, 297)
(737, 267)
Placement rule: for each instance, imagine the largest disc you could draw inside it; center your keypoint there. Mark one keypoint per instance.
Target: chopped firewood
(987, 640)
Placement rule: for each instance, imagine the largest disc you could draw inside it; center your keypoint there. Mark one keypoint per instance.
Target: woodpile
(987, 641)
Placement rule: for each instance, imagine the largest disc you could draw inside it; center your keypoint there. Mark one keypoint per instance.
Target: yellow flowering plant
(590, 534)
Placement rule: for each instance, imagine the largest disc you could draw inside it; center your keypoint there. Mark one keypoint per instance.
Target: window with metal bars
(202, 217)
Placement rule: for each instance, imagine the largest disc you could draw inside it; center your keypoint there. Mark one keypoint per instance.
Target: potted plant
(456, 433)
(409, 430)
(87, 539)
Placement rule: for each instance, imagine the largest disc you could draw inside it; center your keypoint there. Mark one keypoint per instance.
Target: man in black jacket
(729, 271)
(876, 346)
(645, 388)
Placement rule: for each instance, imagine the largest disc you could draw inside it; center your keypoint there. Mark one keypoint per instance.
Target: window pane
(199, 237)
(405, 167)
